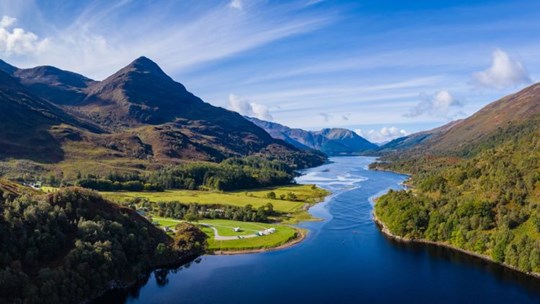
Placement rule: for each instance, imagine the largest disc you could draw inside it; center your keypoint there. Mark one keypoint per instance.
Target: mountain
(141, 93)
(499, 115)
(465, 136)
(329, 141)
(25, 121)
(415, 139)
(297, 137)
(136, 119)
(51, 83)
(343, 141)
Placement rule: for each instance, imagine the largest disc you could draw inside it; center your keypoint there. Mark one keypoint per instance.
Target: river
(344, 259)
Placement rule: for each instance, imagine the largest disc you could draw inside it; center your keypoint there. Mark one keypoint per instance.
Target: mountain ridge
(331, 141)
(137, 118)
(462, 137)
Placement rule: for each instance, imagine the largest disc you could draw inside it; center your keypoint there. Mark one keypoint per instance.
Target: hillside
(415, 139)
(26, 119)
(513, 109)
(329, 141)
(137, 119)
(72, 245)
(464, 137)
(476, 185)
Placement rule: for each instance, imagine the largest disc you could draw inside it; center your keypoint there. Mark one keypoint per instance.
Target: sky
(382, 68)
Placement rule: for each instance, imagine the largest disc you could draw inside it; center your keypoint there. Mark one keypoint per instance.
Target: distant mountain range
(137, 118)
(332, 142)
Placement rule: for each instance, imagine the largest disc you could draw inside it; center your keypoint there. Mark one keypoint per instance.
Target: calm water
(344, 259)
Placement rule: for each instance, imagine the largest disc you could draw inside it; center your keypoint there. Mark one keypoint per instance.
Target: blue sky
(383, 68)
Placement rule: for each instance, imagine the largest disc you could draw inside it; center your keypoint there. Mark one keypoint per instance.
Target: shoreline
(114, 286)
(386, 232)
(301, 235)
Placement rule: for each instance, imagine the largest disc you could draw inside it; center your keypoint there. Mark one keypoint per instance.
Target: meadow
(282, 235)
(304, 194)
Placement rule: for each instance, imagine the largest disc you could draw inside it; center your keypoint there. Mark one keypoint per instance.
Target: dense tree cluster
(108, 185)
(231, 174)
(488, 202)
(71, 245)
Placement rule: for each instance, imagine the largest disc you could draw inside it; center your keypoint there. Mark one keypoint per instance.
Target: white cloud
(105, 37)
(247, 108)
(18, 41)
(7, 21)
(237, 4)
(441, 104)
(504, 72)
(383, 135)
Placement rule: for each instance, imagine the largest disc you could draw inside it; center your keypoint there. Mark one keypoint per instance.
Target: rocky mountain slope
(138, 118)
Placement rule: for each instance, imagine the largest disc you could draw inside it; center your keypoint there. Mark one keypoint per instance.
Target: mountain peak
(143, 60)
(146, 66)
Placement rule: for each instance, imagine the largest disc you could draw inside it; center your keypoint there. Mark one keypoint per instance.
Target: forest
(230, 174)
(71, 245)
(486, 200)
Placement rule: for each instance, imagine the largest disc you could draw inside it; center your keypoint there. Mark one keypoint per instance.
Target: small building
(267, 231)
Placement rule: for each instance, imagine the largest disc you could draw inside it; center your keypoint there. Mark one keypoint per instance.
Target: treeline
(69, 246)
(108, 185)
(489, 203)
(231, 174)
(194, 212)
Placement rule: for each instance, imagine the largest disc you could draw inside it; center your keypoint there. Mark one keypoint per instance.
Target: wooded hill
(476, 185)
(72, 245)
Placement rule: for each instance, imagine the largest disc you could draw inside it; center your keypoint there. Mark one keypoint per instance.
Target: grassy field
(282, 235)
(305, 194)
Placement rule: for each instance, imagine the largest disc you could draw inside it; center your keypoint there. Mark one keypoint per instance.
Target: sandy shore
(386, 231)
(300, 236)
